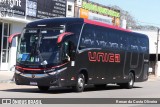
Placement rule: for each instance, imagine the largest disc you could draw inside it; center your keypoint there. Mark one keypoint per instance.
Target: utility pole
(156, 67)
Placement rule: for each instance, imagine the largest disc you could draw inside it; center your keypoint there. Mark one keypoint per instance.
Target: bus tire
(129, 85)
(80, 83)
(43, 88)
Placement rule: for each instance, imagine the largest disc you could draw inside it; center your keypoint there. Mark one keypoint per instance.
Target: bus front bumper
(47, 79)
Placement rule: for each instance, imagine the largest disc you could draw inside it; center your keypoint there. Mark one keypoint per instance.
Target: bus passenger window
(113, 40)
(142, 45)
(123, 42)
(86, 38)
(134, 43)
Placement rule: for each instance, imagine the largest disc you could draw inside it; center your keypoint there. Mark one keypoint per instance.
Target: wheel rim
(80, 82)
(131, 80)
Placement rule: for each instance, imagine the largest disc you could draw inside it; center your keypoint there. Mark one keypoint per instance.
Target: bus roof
(53, 21)
(62, 21)
(105, 25)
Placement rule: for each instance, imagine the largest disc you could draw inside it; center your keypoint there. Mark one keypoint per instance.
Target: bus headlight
(58, 71)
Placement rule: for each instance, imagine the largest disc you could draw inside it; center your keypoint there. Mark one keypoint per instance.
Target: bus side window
(134, 44)
(86, 37)
(123, 42)
(126, 42)
(143, 44)
(76, 29)
(98, 38)
(102, 38)
(95, 38)
(87, 42)
(113, 40)
(83, 40)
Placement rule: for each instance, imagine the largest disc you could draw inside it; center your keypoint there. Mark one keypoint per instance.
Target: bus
(75, 52)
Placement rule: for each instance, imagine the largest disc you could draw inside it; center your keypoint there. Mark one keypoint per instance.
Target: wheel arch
(85, 73)
(133, 71)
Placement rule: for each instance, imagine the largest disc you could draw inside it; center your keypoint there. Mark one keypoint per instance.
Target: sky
(145, 12)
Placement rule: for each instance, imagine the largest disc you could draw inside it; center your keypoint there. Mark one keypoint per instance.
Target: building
(15, 14)
(94, 11)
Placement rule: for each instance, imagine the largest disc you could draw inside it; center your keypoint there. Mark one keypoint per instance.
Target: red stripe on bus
(104, 25)
(38, 69)
(32, 69)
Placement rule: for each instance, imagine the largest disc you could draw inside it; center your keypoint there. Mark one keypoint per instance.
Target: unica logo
(99, 9)
(104, 57)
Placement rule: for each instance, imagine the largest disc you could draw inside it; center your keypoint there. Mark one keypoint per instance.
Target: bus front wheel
(80, 83)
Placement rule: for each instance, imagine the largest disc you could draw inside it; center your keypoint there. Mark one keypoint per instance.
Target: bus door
(68, 51)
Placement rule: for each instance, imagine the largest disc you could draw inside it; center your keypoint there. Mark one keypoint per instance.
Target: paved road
(149, 89)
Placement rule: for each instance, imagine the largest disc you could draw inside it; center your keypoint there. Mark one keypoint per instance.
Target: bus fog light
(52, 73)
(17, 72)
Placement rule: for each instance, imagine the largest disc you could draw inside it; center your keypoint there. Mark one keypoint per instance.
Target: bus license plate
(33, 83)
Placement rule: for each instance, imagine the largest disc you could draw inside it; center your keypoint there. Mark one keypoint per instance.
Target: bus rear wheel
(80, 83)
(43, 88)
(129, 85)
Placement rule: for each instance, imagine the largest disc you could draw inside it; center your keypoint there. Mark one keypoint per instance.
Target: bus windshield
(39, 46)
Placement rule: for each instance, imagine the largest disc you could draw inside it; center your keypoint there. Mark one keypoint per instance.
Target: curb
(153, 78)
(6, 77)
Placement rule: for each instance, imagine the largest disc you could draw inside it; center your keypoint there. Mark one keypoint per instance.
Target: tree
(131, 22)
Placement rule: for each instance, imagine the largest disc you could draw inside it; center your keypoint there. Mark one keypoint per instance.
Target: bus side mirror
(11, 37)
(62, 36)
(65, 51)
